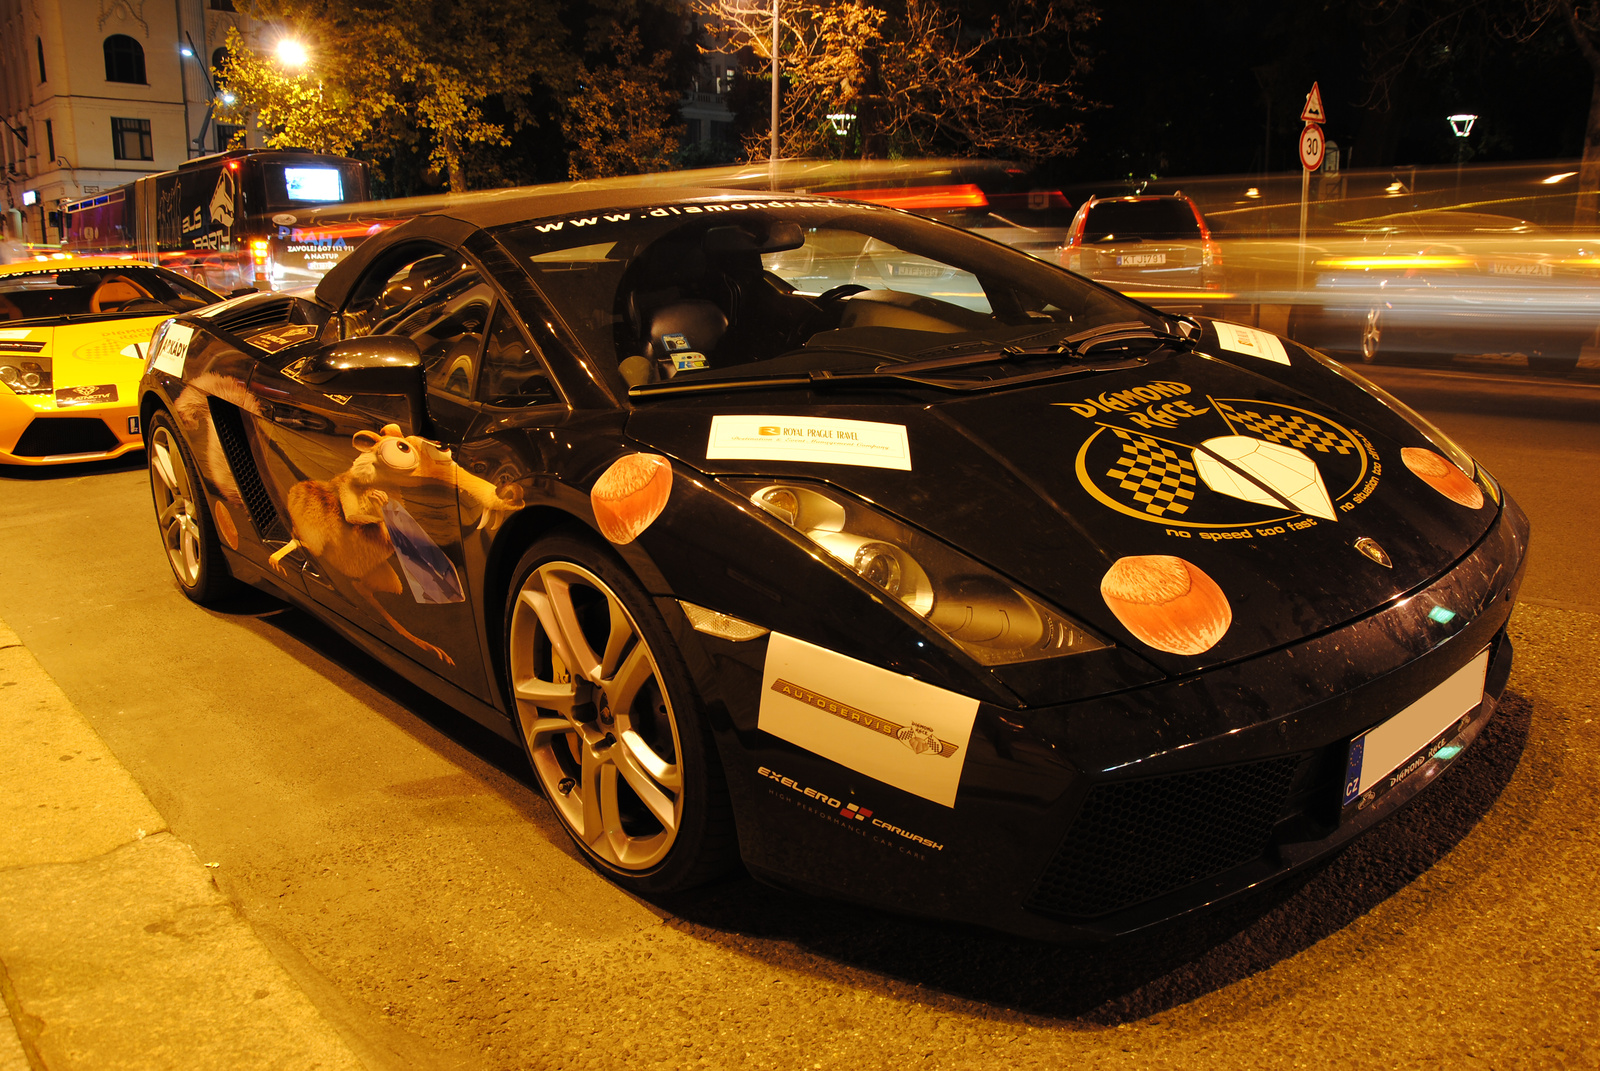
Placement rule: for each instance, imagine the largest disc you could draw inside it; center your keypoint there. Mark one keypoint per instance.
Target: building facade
(95, 93)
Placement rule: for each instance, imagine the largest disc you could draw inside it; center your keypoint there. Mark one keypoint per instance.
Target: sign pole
(1305, 202)
(1312, 147)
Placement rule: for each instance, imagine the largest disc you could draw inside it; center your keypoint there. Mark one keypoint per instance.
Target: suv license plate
(1139, 260)
(1382, 757)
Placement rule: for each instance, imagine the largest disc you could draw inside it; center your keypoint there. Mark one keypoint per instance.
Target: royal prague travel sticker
(1220, 468)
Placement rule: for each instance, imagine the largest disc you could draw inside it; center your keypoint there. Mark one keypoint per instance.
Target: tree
(621, 120)
(383, 73)
(920, 77)
(1583, 19)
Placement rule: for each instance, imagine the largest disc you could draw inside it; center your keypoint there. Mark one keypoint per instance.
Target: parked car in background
(1143, 242)
(73, 338)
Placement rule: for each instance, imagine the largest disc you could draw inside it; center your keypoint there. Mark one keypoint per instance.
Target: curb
(117, 950)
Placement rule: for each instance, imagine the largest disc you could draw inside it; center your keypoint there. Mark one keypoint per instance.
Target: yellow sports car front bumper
(90, 409)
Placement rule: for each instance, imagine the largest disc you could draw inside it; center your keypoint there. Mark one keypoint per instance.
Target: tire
(188, 533)
(620, 748)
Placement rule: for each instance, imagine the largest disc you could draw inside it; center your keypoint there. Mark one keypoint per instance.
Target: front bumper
(36, 432)
(1088, 820)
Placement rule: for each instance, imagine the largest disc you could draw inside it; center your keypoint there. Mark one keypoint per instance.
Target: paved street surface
(387, 865)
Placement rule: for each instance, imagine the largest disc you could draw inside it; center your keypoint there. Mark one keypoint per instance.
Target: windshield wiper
(886, 376)
(1077, 345)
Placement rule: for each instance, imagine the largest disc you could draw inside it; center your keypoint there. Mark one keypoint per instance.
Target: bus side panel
(195, 216)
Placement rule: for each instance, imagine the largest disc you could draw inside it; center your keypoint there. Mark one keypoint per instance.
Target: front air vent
(229, 422)
(59, 436)
(1136, 840)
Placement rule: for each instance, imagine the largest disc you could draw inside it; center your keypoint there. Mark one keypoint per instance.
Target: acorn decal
(1439, 474)
(1167, 603)
(630, 495)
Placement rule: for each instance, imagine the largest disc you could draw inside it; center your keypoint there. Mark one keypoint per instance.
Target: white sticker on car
(174, 348)
(814, 439)
(1240, 339)
(14, 333)
(901, 731)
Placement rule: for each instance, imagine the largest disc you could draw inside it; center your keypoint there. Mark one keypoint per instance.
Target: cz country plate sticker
(819, 440)
(901, 731)
(1381, 758)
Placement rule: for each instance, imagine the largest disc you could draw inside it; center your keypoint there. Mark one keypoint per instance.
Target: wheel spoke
(621, 632)
(635, 672)
(167, 515)
(163, 466)
(540, 603)
(536, 728)
(564, 619)
(551, 695)
(599, 788)
(644, 786)
(658, 769)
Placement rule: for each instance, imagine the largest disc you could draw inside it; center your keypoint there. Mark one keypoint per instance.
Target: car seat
(115, 293)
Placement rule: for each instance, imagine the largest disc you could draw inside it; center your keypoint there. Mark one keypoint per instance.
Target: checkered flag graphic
(1160, 480)
(1294, 430)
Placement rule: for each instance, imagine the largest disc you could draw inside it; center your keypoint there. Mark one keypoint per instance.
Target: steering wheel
(844, 290)
(145, 306)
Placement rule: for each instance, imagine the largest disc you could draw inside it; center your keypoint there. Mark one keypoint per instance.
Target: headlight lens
(986, 616)
(26, 375)
(1452, 450)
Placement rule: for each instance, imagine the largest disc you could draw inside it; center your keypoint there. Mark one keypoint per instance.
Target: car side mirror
(375, 364)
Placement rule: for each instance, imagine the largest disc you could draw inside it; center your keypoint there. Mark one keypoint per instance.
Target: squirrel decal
(341, 522)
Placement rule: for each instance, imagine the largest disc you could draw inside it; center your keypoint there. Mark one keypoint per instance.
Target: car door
(378, 507)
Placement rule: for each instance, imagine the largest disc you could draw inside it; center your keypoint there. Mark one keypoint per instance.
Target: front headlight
(26, 375)
(986, 616)
(1451, 449)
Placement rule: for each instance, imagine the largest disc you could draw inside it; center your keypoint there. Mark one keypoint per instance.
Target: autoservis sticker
(898, 730)
(1220, 468)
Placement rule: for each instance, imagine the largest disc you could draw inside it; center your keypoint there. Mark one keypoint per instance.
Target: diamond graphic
(1253, 469)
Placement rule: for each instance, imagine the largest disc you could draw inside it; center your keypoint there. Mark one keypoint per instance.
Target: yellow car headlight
(26, 375)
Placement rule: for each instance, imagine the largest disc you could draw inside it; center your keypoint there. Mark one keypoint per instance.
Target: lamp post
(1460, 126)
(773, 158)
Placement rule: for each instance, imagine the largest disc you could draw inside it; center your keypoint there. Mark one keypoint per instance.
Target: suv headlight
(1451, 449)
(986, 616)
(26, 375)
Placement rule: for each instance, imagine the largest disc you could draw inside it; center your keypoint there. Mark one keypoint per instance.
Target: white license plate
(1382, 757)
(1504, 267)
(1140, 260)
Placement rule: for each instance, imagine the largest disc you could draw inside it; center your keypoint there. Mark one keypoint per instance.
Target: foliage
(621, 118)
(920, 77)
(439, 91)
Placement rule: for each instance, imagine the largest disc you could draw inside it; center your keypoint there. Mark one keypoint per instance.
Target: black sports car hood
(1203, 507)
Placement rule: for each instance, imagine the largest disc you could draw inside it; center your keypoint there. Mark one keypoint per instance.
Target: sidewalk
(117, 951)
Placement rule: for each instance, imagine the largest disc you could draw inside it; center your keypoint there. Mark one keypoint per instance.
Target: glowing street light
(228, 98)
(1461, 125)
(292, 53)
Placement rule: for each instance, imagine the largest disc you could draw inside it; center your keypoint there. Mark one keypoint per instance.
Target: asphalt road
(396, 860)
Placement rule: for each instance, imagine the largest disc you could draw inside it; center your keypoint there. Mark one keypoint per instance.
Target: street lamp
(292, 53)
(1461, 124)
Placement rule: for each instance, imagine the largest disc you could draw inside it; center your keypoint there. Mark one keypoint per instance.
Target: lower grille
(47, 436)
(1139, 839)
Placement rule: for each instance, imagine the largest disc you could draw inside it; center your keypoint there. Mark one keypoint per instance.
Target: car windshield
(123, 290)
(773, 287)
(1113, 221)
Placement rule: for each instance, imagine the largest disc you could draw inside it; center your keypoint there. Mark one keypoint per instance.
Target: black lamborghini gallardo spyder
(885, 560)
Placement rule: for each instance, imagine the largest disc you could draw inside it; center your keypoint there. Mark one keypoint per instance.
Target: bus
(227, 220)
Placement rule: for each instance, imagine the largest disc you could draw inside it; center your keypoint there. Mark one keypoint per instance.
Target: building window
(124, 60)
(226, 134)
(218, 58)
(223, 5)
(38, 44)
(130, 139)
(50, 139)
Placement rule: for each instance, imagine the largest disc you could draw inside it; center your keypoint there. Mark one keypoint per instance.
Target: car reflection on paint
(884, 560)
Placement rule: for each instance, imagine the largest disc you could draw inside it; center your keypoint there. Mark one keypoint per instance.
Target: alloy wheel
(176, 505)
(596, 716)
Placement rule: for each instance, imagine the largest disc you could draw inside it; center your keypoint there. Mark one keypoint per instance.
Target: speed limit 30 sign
(1312, 147)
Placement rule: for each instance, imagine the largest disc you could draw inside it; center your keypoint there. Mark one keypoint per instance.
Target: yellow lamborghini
(73, 334)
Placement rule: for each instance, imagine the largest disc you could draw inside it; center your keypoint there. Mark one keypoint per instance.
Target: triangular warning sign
(1312, 112)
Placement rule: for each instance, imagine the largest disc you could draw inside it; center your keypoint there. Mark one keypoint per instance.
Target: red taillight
(912, 198)
(1211, 255)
